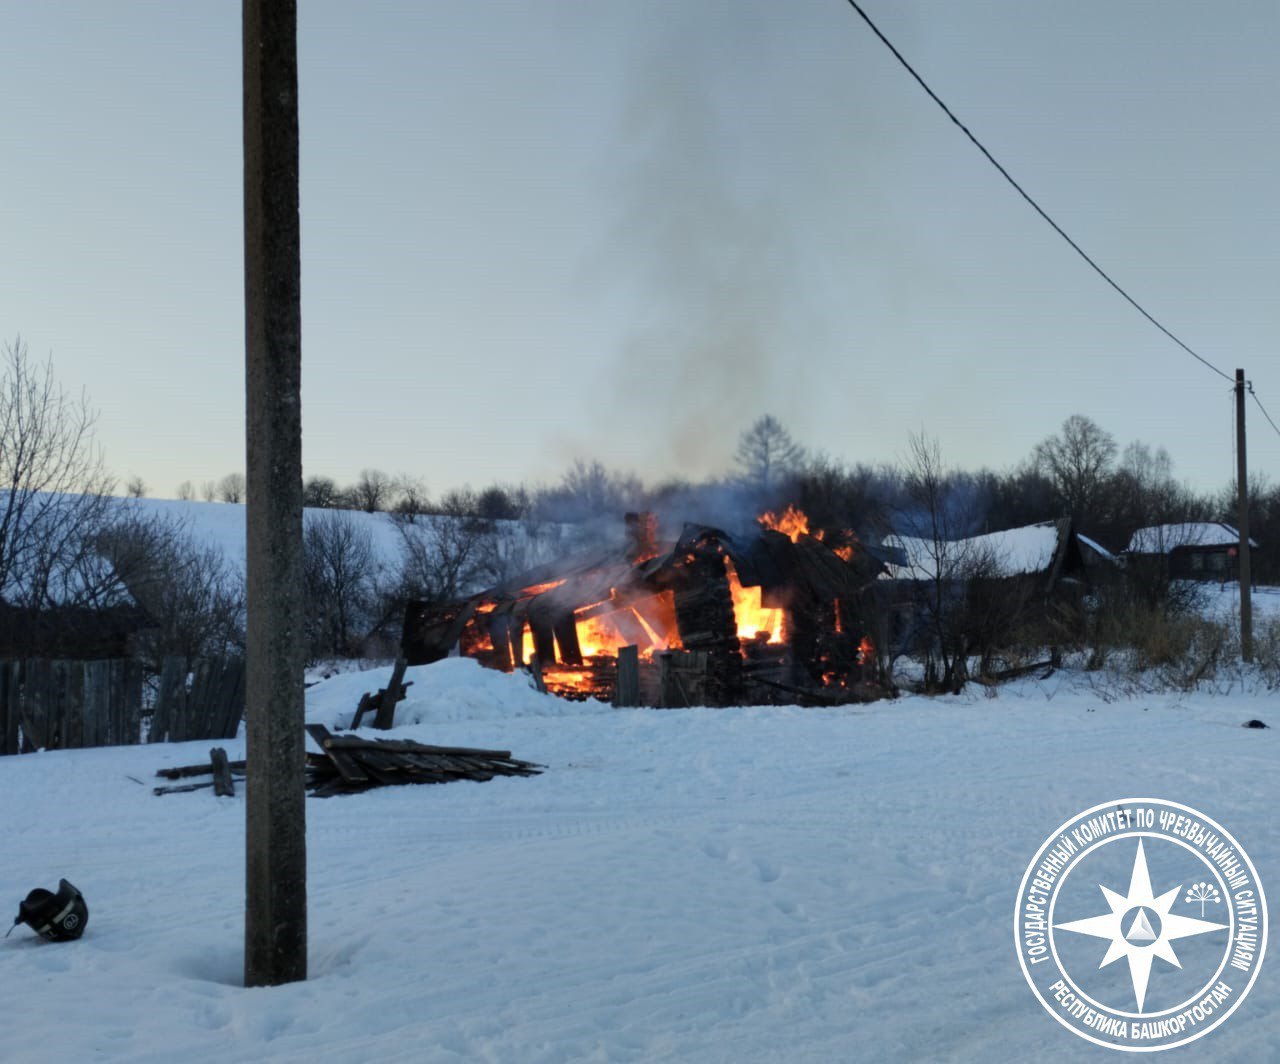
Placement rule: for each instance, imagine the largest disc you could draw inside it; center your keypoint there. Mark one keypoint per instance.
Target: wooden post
(627, 691)
(386, 715)
(223, 786)
(9, 707)
(275, 836)
(535, 668)
(671, 694)
(1242, 520)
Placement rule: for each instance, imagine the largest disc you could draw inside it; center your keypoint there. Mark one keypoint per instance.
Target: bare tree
(340, 572)
(587, 492)
(54, 489)
(209, 491)
(231, 488)
(441, 558)
(1077, 461)
(1141, 493)
(185, 492)
(500, 503)
(373, 491)
(767, 455)
(507, 549)
(322, 493)
(193, 600)
(936, 521)
(411, 497)
(135, 487)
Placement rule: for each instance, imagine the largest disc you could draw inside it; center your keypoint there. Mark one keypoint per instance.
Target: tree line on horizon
(1080, 471)
(67, 544)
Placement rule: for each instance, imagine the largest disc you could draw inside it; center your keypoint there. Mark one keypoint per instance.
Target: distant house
(984, 591)
(1196, 550)
(1044, 553)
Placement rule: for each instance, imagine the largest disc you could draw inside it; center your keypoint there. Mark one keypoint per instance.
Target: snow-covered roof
(1097, 547)
(1013, 552)
(1162, 539)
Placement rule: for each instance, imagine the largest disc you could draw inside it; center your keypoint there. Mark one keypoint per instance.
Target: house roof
(1013, 552)
(1164, 539)
(1097, 548)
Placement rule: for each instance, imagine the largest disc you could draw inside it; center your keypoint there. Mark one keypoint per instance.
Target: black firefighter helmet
(58, 917)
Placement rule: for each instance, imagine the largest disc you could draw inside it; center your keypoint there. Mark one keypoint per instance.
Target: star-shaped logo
(1140, 926)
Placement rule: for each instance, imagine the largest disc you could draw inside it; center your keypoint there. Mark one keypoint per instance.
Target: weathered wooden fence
(60, 705)
(206, 702)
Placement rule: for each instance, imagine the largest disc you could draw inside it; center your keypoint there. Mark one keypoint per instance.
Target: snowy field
(760, 884)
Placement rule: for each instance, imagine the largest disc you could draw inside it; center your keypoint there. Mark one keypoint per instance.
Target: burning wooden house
(710, 619)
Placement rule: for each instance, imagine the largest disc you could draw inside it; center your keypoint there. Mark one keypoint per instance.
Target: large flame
(604, 634)
(600, 635)
(792, 522)
(752, 618)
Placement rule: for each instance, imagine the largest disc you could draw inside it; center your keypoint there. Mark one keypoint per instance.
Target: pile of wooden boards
(348, 763)
(224, 774)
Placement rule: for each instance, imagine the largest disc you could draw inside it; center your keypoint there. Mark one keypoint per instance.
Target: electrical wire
(1023, 193)
(1263, 409)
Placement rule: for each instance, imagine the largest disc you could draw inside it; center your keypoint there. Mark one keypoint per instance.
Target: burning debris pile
(782, 615)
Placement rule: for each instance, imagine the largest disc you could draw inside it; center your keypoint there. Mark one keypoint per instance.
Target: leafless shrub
(1150, 648)
(1266, 651)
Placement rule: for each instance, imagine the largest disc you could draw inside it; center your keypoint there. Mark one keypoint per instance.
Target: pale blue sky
(622, 229)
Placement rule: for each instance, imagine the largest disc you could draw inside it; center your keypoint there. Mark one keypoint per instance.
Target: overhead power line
(1263, 409)
(1023, 193)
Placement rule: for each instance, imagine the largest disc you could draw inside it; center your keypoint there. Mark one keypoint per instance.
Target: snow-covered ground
(758, 884)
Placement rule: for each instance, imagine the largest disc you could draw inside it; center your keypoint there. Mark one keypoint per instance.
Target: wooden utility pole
(275, 836)
(1242, 521)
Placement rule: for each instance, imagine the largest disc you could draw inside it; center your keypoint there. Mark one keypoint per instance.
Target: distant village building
(984, 592)
(1196, 550)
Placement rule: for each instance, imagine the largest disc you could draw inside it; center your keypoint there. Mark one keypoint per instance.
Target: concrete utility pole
(275, 837)
(1242, 521)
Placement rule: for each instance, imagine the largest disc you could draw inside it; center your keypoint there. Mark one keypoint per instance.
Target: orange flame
(866, 651)
(794, 523)
(561, 679)
(752, 617)
(538, 589)
(791, 522)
